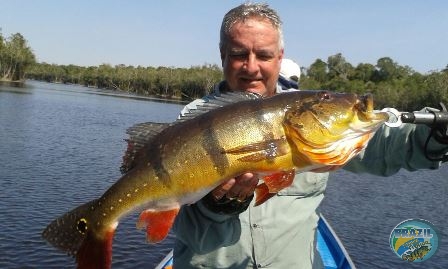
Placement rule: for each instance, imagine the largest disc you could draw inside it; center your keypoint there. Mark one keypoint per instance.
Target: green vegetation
(393, 85)
(15, 57)
(164, 82)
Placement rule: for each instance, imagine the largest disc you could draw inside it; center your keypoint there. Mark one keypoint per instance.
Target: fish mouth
(364, 107)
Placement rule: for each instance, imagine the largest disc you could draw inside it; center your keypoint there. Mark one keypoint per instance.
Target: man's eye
(264, 57)
(238, 55)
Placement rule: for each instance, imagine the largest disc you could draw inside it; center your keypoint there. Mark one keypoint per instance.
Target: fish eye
(81, 226)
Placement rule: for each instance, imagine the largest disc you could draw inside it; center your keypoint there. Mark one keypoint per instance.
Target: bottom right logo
(414, 240)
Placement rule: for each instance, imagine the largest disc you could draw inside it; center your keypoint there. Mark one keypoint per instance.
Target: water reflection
(14, 87)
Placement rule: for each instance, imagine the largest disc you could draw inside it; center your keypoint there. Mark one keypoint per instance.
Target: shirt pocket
(306, 184)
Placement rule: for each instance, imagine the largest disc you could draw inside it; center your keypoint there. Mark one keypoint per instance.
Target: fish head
(330, 128)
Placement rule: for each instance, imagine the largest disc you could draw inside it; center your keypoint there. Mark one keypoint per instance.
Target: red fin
(279, 181)
(262, 194)
(158, 223)
(272, 184)
(96, 253)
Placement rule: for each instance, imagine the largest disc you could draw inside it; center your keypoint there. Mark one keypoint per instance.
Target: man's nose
(252, 66)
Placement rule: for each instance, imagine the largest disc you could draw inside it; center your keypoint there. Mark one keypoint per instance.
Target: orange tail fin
(96, 253)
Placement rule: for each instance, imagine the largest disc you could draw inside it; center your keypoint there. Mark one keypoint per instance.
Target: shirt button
(259, 266)
(254, 225)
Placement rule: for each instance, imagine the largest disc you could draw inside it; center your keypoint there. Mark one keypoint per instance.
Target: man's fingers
(249, 189)
(239, 188)
(244, 186)
(222, 189)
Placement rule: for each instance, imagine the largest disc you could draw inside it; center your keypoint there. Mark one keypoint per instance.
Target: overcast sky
(185, 33)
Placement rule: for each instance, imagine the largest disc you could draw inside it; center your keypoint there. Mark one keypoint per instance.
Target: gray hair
(248, 11)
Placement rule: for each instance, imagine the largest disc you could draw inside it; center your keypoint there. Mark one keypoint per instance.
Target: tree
(15, 57)
(363, 72)
(437, 89)
(388, 70)
(338, 67)
(318, 71)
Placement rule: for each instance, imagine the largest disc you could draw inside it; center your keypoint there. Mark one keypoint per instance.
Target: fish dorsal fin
(140, 135)
(217, 100)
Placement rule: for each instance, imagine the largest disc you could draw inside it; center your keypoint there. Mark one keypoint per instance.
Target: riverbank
(108, 92)
(5, 80)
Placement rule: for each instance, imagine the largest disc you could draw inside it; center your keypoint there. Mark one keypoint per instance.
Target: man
(223, 230)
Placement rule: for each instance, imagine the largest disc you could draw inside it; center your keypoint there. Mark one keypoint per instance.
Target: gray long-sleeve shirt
(280, 233)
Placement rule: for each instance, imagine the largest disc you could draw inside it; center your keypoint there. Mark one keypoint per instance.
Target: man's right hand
(240, 187)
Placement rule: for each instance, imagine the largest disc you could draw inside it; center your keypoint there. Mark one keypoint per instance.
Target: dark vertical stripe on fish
(260, 115)
(157, 165)
(211, 145)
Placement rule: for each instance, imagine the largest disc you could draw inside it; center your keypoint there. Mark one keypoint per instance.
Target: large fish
(169, 166)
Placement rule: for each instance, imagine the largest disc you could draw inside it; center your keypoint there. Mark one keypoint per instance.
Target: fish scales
(186, 160)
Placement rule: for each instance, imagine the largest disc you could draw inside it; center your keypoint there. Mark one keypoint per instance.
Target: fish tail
(96, 253)
(76, 233)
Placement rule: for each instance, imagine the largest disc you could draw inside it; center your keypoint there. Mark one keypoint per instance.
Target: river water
(61, 145)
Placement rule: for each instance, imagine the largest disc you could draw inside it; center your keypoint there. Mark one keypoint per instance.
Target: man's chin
(256, 90)
(261, 91)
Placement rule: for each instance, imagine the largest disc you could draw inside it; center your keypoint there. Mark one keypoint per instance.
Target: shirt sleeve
(392, 149)
(205, 231)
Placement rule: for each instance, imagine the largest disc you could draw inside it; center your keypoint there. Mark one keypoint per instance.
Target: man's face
(251, 57)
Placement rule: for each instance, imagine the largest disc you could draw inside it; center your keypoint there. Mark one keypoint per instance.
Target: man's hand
(240, 188)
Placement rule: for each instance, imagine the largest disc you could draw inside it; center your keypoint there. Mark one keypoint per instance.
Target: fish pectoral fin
(273, 183)
(158, 223)
(262, 194)
(264, 150)
(278, 181)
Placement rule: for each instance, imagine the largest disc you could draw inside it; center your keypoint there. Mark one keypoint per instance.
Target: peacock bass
(170, 165)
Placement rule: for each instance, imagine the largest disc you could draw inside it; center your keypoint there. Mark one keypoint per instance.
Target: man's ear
(280, 55)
